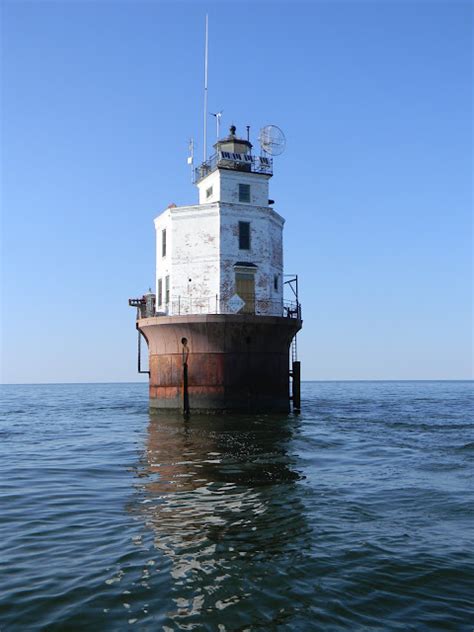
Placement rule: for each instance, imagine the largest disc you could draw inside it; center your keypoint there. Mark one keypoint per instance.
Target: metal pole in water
(296, 386)
(184, 342)
(140, 353)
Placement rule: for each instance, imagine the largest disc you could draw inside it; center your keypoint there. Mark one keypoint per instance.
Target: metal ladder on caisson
(295, 376)
(294, 350)
(295, 365)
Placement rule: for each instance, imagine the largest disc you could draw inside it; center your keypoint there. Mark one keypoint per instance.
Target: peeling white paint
(203, 247)
(225, 187)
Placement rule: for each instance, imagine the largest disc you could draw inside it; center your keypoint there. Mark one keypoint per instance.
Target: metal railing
(230, 160)
(237, 304)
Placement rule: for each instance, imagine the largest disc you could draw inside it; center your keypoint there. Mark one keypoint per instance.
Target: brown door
(245, 288)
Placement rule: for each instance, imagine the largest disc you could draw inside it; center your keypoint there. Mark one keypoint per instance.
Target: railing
(213, 305)
(230, 160)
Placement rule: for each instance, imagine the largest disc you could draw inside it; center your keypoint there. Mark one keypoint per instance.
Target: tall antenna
(205, 90)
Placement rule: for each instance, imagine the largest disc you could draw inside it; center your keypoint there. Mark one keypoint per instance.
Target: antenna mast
(205, 90)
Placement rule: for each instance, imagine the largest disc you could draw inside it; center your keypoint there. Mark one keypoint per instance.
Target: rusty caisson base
(235, 363)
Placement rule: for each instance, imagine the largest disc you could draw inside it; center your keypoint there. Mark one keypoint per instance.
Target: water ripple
(356, 515)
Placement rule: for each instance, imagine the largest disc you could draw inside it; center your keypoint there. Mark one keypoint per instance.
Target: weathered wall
(163, 264)
(203, 247)
(266, 252)
(213, 181)
(225, 185)
(234, 362)
(195, 258)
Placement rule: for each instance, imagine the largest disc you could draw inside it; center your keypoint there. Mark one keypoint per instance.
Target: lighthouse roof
(235, 154)
(234, 144)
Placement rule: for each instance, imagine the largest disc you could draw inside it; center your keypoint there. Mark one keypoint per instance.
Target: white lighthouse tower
(224, 254)
(220, 332)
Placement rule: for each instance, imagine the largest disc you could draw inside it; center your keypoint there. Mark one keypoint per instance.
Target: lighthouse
(218, 326)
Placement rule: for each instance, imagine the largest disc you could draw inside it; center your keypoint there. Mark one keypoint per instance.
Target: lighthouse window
(244, 235)
(160, 292)
(244, 193)
(167, 290)
(275, 281)
(208, 192)
(163, 243)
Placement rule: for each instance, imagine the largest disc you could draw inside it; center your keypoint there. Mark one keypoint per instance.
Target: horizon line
(346, 380)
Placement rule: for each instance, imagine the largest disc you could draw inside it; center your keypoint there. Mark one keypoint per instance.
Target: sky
(99, 100)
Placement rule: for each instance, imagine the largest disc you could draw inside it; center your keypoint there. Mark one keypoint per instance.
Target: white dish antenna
(272, 140)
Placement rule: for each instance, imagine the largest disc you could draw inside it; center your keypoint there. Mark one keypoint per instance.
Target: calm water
(355, 515)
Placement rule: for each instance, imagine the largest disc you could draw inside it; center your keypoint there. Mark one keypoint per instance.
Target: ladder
(294, 350)
(295, 375)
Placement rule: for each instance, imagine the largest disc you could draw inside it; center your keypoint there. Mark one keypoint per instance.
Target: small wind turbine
(191, 156)
(218, 116)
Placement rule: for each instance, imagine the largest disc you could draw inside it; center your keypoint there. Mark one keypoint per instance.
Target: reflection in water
(221, 497)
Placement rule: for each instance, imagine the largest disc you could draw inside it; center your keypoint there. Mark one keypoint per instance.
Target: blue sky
(99, 100)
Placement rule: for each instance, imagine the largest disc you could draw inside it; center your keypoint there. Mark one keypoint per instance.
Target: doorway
(245, 288)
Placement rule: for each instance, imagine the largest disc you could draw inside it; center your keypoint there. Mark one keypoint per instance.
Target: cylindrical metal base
(234, 362)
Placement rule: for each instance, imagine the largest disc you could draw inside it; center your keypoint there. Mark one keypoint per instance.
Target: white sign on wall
(235, 304)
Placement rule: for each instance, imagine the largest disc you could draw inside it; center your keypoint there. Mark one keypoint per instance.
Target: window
(160, 292)
(275, 282)
(244, 235)
(208, 192)
(167, 290)
(244, 193)
(163, 243)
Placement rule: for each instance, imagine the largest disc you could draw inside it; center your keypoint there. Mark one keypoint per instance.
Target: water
(355, 515)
